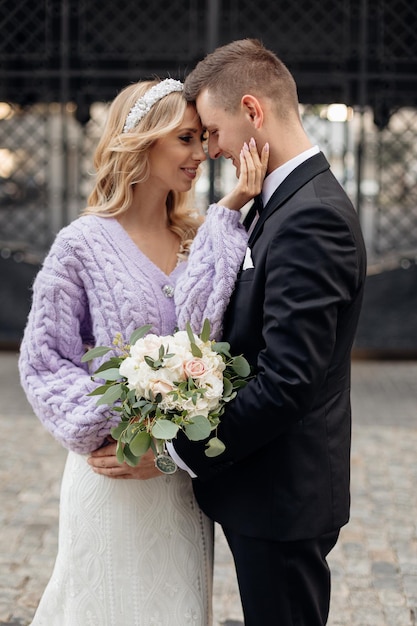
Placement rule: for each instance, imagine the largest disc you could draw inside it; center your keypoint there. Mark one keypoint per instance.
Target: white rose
(146, 346)
(213, 361)
(131, 370)
(200, 408)
(180, 340)
(213, 386)
(175, 364)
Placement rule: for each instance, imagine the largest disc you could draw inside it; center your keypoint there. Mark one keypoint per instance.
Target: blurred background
(355, 63)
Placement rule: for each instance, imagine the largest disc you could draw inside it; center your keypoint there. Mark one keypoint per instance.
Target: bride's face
(174, 159)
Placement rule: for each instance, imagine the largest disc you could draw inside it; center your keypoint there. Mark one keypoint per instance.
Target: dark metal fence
(61, 60)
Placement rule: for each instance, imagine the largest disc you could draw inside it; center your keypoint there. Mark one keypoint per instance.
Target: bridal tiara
(144, 104)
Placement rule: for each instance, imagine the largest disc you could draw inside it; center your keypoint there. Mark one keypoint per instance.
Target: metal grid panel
(396, 216)
(85, 51)
(397, 39)
(142, 30)
(293, 29)
(23, 200)
(26, 29)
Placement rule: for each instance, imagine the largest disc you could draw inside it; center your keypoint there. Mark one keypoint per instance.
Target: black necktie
(253, 214)
(258, 205)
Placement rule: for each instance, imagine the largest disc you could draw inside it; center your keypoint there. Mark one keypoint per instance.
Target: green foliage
(241, 366)
(164, 429)
(195, 350)
(214, 447)
(94, 353)
(142, 423)
(205, 333)
(198, 428)
(139, 333)
(140, 443)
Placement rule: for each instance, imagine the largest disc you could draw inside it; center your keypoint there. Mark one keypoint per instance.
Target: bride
(136, 552)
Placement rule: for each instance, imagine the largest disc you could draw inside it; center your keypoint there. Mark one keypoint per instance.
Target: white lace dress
(131, 553)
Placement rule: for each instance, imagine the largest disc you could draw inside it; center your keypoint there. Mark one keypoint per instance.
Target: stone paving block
(364, 598)
(395, 616)
(364, 616)
(374, 565)
(390, 598)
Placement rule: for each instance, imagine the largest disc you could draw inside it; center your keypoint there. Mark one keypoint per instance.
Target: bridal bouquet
(162, 384)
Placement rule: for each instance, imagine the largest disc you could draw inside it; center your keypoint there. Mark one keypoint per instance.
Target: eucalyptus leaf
(140, 443)
(241, 366)
(154, 364)
(195, 351)
(120, 452)
(146, 409)
(112, 394)
(198, 429)
(190, 333)
(139, 333)
(132, 429)
(98, 391)
(238, 384)
(227, 387)
(214, 447)
(205, 333)
(228, 398)
(112, 374)
(164, 429)
(94, 353)
(221, 347)
(131, 395)
(112, 362)
(117, 431)
(130, 458)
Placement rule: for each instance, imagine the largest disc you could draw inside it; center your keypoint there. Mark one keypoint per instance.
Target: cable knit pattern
(216, 255)
(131, 553)
(94, 283)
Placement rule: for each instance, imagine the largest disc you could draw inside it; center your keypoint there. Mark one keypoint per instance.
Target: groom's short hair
(243, 67)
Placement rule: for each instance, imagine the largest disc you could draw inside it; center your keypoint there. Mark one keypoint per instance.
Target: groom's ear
(253, 109)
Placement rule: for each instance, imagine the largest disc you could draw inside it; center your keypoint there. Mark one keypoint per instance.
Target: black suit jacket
(285, 472)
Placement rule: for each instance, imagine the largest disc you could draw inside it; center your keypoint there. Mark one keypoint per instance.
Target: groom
(281, 488)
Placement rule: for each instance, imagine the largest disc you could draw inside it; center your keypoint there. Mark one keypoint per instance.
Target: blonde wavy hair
(121, 160)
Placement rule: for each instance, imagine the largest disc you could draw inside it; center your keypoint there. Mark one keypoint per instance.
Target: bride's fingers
(260, 163)
(264, 158)
(255, 166)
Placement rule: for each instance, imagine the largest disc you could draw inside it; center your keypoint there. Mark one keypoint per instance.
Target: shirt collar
(276, 177)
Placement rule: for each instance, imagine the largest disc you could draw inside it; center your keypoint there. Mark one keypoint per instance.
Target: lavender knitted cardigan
(94, 283)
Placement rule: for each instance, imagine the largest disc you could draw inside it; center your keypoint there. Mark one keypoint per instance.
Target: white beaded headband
(151, 97)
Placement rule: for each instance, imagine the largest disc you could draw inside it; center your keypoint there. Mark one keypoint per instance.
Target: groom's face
(226, 132)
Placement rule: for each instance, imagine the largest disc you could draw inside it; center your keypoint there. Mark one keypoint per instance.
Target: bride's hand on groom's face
(103, 461)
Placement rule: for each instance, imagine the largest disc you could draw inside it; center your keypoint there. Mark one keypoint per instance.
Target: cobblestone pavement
(374, 565)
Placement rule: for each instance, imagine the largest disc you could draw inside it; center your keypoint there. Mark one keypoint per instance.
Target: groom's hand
(104, 461)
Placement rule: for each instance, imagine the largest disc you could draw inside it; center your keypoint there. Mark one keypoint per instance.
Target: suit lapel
(294, 181)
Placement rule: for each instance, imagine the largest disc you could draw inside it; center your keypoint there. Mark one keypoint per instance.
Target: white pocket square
(248, 263)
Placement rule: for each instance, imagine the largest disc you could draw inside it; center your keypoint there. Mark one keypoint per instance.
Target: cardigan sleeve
(216, 255)
(52, 375)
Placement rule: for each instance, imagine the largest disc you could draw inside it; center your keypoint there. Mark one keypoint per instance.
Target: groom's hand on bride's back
(103, 461)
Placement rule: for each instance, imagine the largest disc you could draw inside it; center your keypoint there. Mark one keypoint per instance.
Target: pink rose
(195, 368)
(160, 386)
